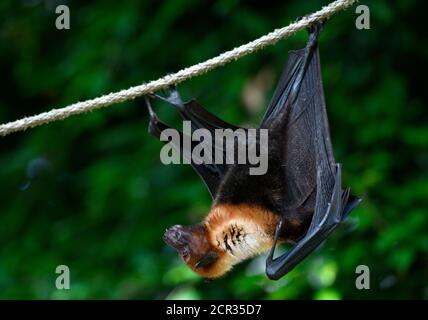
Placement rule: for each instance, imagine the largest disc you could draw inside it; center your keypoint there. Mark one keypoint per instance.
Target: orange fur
(235, 233)
(224, 213)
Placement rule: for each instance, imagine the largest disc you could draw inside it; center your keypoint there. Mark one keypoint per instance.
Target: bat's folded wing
(297, 118)
(312, 179)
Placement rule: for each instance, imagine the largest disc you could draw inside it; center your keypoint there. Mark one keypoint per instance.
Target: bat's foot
(315, 29)
(322, 21)
(154, 119)
(171, 96)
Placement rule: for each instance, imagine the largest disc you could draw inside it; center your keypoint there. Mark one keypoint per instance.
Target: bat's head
(195, 249)
(227, 236)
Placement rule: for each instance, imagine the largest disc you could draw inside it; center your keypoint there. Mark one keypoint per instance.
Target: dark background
(90, 192)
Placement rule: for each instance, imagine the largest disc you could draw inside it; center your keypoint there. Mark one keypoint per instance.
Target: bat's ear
(207, 259)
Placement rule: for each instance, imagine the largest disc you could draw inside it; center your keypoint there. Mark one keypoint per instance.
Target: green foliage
(91, 193)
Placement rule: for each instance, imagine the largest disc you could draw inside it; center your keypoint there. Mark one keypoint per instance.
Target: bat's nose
(175, 237)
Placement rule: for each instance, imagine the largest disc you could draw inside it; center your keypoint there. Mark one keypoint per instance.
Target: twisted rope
(173, 79)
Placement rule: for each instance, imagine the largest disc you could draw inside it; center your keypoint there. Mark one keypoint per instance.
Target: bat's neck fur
(240, 232)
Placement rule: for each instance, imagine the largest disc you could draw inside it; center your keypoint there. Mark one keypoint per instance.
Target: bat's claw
(170, 96)
(315, 28)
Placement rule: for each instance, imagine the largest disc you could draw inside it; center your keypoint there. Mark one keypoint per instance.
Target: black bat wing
(284, 86)
(201, 118)
(312, 179)
(210, 173)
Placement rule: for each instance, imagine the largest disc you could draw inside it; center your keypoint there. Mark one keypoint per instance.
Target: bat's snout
(177, 237)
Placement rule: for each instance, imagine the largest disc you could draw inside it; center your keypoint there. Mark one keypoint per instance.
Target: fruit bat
(299, 200)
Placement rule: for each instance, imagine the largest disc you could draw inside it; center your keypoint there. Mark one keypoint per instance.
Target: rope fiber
(173, 79)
